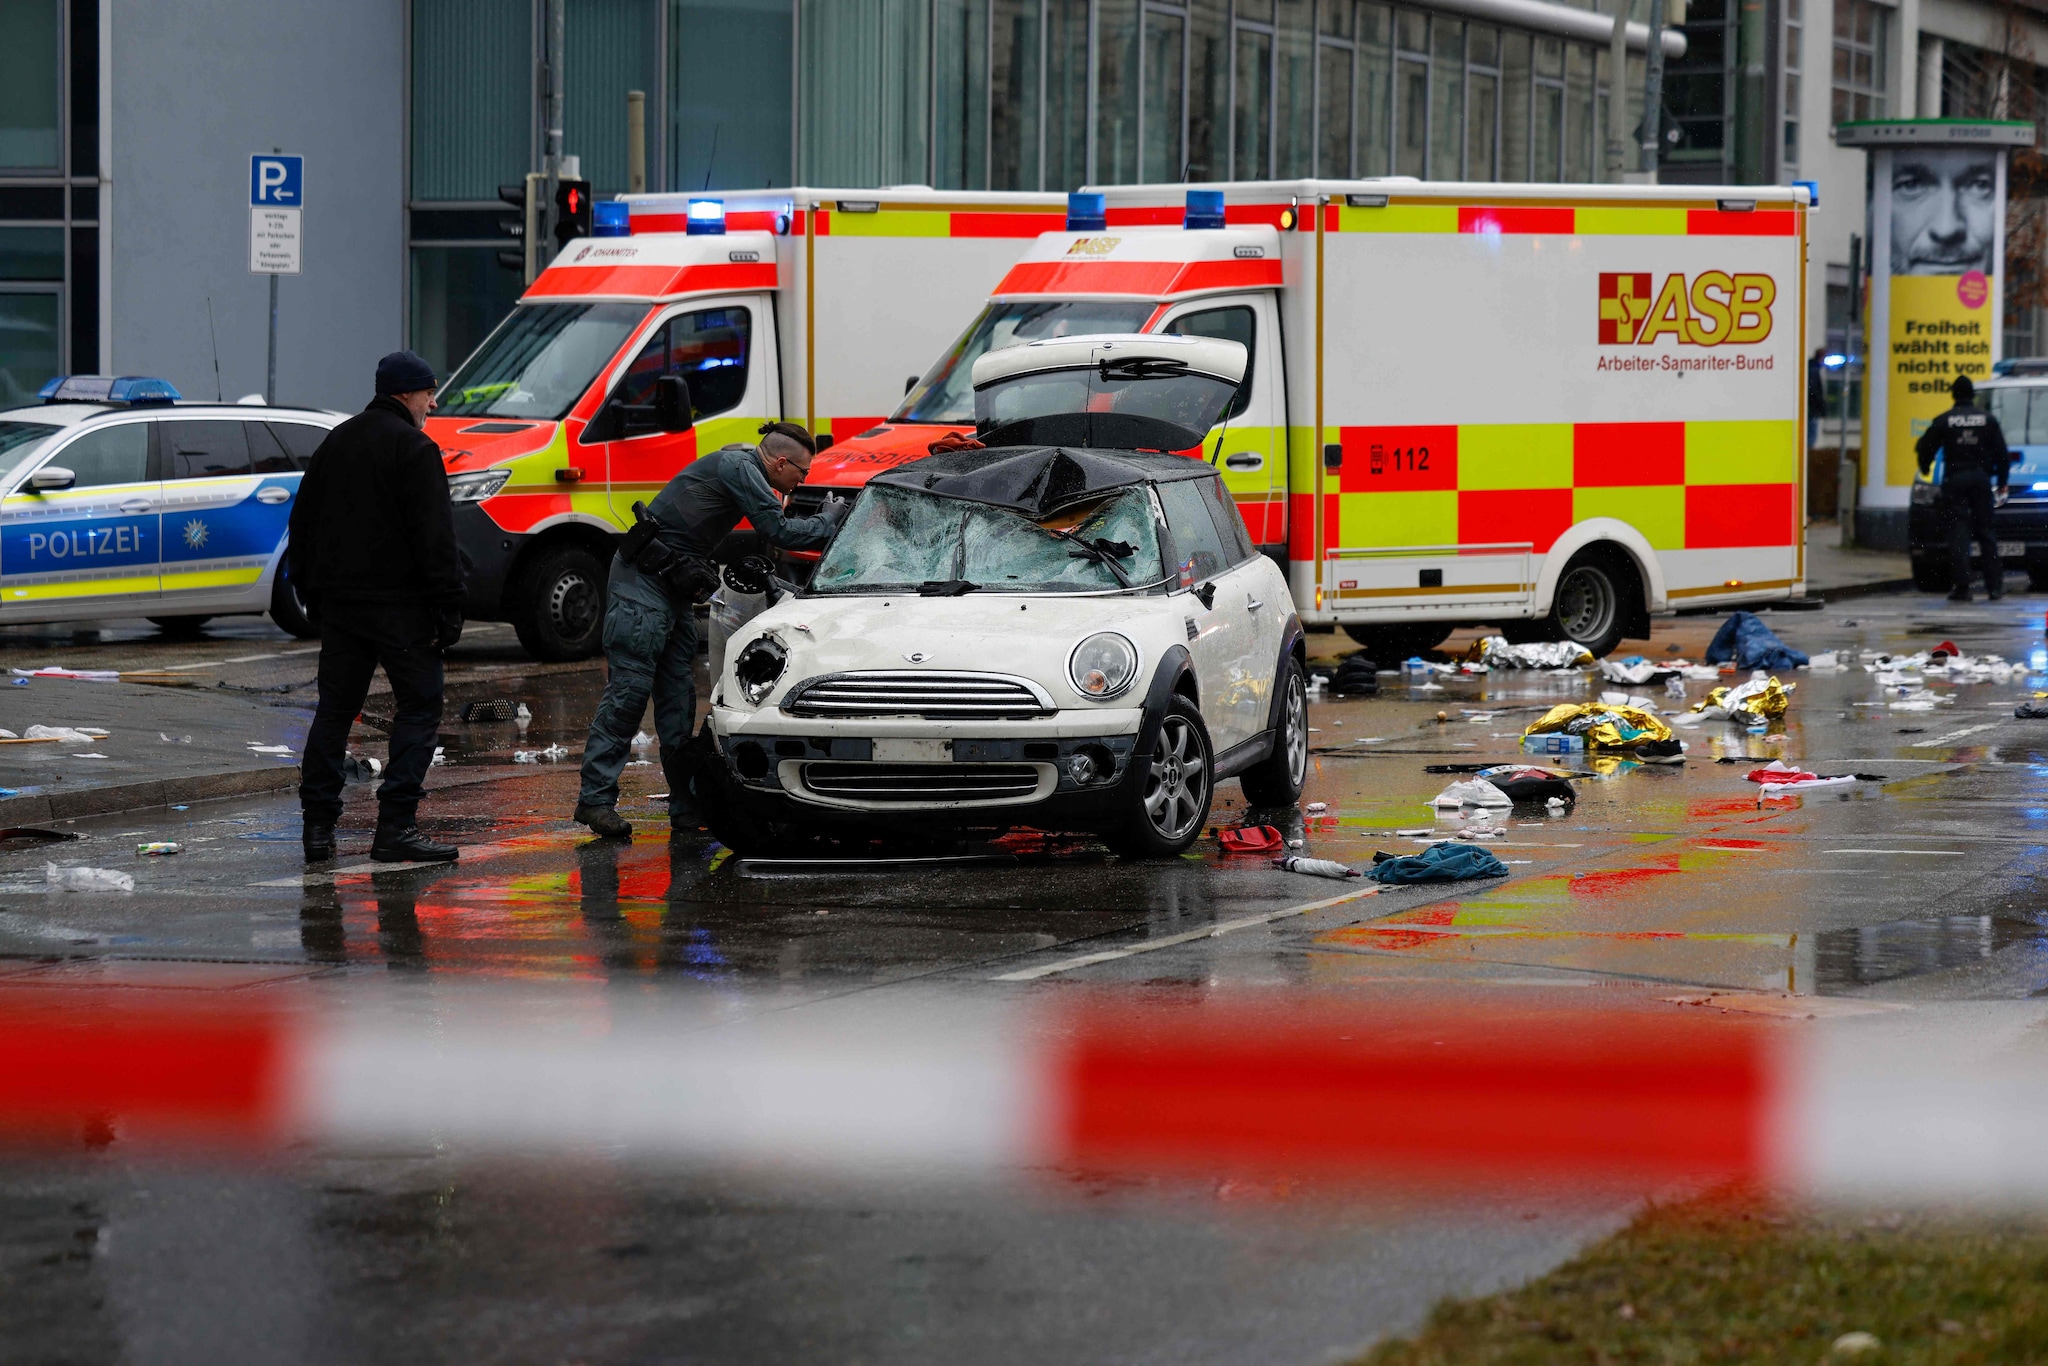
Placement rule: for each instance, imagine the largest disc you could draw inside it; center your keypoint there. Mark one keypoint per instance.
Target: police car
(2016, 393)
(118, 499)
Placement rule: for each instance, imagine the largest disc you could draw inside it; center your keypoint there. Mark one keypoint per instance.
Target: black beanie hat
(1961, 390)
(402, 372)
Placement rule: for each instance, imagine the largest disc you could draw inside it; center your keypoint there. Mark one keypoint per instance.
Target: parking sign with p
(277, 182)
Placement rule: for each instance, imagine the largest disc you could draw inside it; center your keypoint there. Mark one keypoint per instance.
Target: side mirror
(51, 477)
(909, 384)
(672, 403)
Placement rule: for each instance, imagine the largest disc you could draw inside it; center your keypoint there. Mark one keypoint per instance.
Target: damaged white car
(1068, 629)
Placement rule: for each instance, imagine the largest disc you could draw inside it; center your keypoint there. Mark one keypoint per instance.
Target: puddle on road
(1847, 959)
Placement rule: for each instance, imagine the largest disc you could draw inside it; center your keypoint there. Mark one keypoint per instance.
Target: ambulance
(1557, 408)
(682, 325)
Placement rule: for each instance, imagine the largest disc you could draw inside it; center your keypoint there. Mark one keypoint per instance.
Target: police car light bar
(133, 390)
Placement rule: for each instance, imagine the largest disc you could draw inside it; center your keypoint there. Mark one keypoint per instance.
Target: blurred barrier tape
(1240, 1086)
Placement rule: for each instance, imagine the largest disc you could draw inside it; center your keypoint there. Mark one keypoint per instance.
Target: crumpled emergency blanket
(1603, 726)
(1495, 653)
(1446, 862)
(1752, 645)
(1476, 792)
(1760, 699)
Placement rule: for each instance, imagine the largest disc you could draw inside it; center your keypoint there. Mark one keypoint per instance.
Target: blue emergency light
(1834, 360)
(706, 218)
(1205, 209)
(1812, 192)
(1087, 212)
(133, 390)
(611, 218)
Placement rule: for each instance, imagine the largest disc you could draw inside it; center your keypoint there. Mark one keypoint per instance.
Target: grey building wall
(196, 88)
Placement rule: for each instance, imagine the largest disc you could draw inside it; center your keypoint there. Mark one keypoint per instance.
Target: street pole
(1845, 468)
(270, 368)
(557, 45)
(1617, 95)
(636, 142)
(1653, 87)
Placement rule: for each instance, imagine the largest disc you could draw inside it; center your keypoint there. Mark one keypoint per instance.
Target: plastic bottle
(1316, 867)
(158, 847)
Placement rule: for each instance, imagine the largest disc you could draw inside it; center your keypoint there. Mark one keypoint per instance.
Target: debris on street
(1496, 653)
(1446, 862)
(1748, 704)
(1602, 726)
(1475, 792)
(1316, 867)
(1749, 644)
(158, 848)
(79, 878)
(1250, 839)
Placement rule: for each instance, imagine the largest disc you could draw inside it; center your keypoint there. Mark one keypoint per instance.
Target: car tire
(180, 628)
(1390, 644)
(1169, 804)
(558, 608)
(288, 609)
(1277, 779)
(1593, 601)
(1930, 573)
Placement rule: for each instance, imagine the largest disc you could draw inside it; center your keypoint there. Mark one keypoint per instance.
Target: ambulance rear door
(1250, 446)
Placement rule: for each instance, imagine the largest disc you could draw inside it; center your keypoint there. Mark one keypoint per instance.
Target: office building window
(1795, 32)
(1859, 49)
(1294, 87)
(1517, 94)
(728, 123)
(1251, 144)
(1336, 68)
(1375, 90)
(960, 105)
(1014, 64)
(864, 85)
(1697, 91)
(29, 135)
(472, 105)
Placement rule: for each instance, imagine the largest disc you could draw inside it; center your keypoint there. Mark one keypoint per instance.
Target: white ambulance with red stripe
(1559, 408)
(682, 326)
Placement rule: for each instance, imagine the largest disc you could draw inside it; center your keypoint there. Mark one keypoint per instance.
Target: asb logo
(1713, 308)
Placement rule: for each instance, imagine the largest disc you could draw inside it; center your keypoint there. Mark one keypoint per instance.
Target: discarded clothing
(1601, 726)
(1752, 645)
(1778, 771)
(1769, 790)
(1523, 783)
(1356, 676)
(2027, 711)
(1315, 867)
(1250, 839)
(1477, 792)
(1636, 671)
(1760, 699)
(1447, 862)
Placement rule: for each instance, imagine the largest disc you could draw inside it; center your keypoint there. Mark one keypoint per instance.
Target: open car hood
(1037, 481)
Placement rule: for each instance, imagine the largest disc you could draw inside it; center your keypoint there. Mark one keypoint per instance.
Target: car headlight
(757, 668)
(476, 486)
(1103, 666)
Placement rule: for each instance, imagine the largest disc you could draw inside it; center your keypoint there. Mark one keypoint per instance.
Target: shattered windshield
(539, 361)
(947, 393)
(900, 540)
(1138, 387)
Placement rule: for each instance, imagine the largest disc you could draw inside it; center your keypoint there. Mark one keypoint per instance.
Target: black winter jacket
(372, 523)
(1972, 442)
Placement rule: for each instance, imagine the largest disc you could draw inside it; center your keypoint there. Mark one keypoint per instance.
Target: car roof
(1038, 480)
(71, 414)
(1217, 356)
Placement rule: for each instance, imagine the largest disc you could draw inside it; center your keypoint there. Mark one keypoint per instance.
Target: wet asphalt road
(1662, 885)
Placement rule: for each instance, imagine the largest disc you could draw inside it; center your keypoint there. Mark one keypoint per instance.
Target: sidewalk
(1834, 573)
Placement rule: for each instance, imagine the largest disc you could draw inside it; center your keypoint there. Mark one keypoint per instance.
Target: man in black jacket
(373, 553)
(1975, 460)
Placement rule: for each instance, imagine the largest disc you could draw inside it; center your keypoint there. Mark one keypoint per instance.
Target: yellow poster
(1941, 327)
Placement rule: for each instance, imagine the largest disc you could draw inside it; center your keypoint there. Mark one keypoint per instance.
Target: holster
(689, 579)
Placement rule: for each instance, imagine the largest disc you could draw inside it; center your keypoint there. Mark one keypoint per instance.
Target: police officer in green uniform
(664, 568)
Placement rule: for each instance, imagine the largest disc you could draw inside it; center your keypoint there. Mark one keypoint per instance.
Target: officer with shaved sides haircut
(664, 568)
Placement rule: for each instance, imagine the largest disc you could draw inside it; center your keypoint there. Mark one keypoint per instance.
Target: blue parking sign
(277, 181)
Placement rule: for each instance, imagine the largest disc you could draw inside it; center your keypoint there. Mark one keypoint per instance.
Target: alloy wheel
(1179, 780)
(1296, 737)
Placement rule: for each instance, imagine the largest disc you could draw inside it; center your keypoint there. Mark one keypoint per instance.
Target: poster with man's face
(1943, 209)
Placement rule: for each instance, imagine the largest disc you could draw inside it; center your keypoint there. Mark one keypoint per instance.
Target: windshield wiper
(1104, 552)
(945, 588)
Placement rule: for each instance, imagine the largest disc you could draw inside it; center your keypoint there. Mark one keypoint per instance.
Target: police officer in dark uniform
(1975, 461)
(663, 569)
(373, 553)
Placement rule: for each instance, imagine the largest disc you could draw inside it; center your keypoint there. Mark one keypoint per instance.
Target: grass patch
(1738, 1279)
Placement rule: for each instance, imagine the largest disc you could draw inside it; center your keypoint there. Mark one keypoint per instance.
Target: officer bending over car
(664, 568)
(1975, 460)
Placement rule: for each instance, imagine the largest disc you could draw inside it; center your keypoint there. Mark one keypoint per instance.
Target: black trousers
(354, 643)
(1966, 504)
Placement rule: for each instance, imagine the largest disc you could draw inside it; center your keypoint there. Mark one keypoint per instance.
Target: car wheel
(1391, 644)
(1169, 805)
(1276, 779)
(1591, 603)
(288, 609)
(559, 611)
(1930, 573)
(181, 628)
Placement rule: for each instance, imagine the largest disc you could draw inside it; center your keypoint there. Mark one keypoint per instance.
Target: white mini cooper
(1067, 629)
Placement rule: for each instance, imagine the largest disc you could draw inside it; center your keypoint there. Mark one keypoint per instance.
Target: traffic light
(513, 225)
(572, 211)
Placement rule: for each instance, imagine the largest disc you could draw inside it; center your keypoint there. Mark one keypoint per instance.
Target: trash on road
(1622, 699)
(539, 756)
(56, 671)
(1526, 783)
(1356, 676)
(174, 739)
(1636, 671)
(1495, 653)
(1446, 862)
(2027, 711)
(1601, 726)
(1250, 839)
(1316, 867)
(79, 878)
(440, 756)
(1778, 771)
(500, 710)
(360, 768)
(255, 748)
(1758, 700)
(1475, 792)
(1553, 743)
(1315, 808)
(157, 848)
(67, 735)
(1745, 639)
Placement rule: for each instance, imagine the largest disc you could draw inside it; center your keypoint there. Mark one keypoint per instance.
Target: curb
(1874, 589)
(114, 797)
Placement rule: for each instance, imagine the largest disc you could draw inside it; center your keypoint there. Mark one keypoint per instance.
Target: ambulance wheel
(1930, 573)
(559, 607)
(1276, 779)
(1592, 601)
(1389, 645)
(288, 609)
(180, 628)
(1167, 809)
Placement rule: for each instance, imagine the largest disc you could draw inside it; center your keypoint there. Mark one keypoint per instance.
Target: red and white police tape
(1250, 1085)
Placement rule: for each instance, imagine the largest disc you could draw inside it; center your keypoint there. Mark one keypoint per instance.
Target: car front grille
(923, 784)
(933, 694)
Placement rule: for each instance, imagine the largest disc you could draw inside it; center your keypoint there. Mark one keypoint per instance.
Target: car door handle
(136, 505)
(1252, 604)
(272, 493)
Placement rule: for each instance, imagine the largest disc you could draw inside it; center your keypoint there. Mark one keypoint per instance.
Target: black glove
(834, 509)
(448, 628)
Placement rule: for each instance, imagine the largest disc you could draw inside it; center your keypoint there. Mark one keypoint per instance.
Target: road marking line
(239, 659)
(1925, 853)
(1952, 736)
(1153, 945)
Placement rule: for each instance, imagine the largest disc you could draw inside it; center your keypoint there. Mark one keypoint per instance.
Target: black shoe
(1959, 595)
(409, 846)
(605, 821)
(318, 838)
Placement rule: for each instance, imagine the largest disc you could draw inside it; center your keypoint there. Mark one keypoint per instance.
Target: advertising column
(1935, 302)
